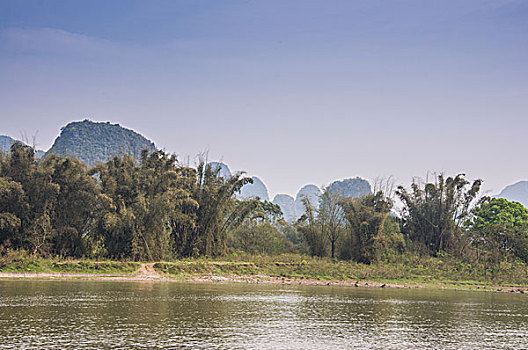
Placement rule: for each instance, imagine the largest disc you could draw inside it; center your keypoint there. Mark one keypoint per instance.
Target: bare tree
(331, 218)
(384, 184)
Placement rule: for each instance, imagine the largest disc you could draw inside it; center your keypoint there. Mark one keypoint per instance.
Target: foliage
(433, 215)
(259, 232)
(119, 209)
(360, 229)
(294, 236)
(27, 208)
(261, 238)
(142, 201)
(313, 230)
(202, 229)
(156, 209)
(498, 211)
(330, 217)
(371, 231)
(78, 205)
(500, 228)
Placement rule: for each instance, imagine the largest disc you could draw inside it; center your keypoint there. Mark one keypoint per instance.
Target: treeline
(121, 209)
(155, 209)
(440, 218)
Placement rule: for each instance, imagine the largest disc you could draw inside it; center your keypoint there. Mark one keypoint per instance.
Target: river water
(104, 314)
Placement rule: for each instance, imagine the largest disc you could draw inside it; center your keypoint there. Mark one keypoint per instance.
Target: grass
(22, 262)
(408, 270)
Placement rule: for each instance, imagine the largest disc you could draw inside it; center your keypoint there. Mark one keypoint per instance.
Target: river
(108, 314)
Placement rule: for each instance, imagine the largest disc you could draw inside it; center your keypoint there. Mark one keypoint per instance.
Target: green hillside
(94, 142)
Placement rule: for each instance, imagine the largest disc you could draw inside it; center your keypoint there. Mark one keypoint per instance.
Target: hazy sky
(294, 92)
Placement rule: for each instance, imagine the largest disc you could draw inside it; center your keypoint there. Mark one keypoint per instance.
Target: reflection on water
(98, 314)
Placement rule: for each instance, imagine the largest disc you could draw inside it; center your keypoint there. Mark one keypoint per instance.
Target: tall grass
(405, 268)
(21, 261)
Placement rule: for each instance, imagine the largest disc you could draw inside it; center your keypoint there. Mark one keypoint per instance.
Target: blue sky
(294, 92)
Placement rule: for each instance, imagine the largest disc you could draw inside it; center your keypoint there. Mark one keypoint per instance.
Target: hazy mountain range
(94, 142)
(250, 191)
(293, 209)
(517, 192)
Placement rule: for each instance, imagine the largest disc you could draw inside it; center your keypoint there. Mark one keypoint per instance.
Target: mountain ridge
(94, 142)
(7, 141)
(516, 192)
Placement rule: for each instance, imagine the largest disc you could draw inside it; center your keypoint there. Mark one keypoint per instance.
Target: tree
(116, 227)
(78, 206)
(13, 207)
(433, 216)
(498, 211)
(500, 228)
(258, 233)
(312, 230)
(40, 194)
(144, 201)
(330, 216)
(216, 212)
(259, 238)
(368, 232)
(322, 227)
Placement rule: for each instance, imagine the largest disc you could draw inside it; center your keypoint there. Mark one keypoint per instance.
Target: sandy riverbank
(147, 273)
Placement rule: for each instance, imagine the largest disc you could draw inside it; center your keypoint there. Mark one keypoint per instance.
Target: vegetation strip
(58, 216)
(285, 269)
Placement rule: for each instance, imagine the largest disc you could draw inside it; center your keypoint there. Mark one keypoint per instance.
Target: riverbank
(407, 272)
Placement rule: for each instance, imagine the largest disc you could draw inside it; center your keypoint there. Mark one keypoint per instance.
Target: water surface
(109, 314)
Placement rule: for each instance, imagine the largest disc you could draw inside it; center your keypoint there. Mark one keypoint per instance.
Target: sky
(294, 92)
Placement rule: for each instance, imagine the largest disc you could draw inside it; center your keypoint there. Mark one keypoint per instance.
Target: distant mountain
(249, 191)
(223, 171)
(94, 142)
(6, 142)
(287, 205)
(518, 192)
(294, 209)
(351, 188)
(311, 192)
(255, 190)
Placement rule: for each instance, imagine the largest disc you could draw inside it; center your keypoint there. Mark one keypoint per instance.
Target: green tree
(258, 233)
(498, 211)
(13, 207)
(144, 200)
(323, 226)
(369, 227)
(116, 227)
(203, 228)
(433, 216)
(259, 238)
(331, 219)
(500, 228)
(40, 195)
(78, 206)
(313, 230)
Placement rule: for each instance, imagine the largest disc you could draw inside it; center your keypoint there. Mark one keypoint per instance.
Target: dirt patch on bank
(147, 271)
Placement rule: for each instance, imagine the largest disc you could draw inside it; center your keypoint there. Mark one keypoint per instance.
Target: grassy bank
(25, 263)
(409, 270)
(406, 270)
